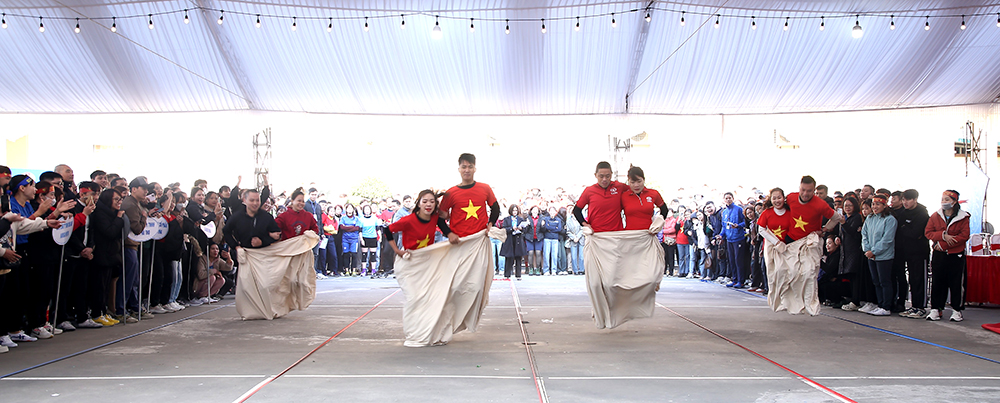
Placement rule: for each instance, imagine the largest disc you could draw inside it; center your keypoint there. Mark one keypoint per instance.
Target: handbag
(5, 265)
(708, 261)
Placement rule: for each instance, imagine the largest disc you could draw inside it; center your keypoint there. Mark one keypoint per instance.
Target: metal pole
(152, 261)
(122, 282)
(55, 315)
(139, 286)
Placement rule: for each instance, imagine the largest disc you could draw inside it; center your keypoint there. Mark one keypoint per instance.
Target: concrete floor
(210, 355)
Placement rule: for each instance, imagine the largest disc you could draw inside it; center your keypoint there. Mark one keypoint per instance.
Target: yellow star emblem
(423, 242)
(799, 223)
(472, 210)
(778, 232)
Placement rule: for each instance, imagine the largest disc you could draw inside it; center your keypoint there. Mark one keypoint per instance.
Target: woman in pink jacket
(948, 229)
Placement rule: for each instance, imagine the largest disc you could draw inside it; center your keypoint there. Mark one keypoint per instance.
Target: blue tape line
(109, 343)
(896, 334)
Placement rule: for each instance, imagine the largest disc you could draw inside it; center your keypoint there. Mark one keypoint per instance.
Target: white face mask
(183, 205)
(947, 206)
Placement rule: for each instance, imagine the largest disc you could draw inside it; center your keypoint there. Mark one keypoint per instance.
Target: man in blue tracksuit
(734, 232)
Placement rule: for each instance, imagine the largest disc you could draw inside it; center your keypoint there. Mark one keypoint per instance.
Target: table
(983, 274)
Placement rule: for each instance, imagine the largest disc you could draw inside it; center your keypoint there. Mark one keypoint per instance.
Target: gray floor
(215, 357)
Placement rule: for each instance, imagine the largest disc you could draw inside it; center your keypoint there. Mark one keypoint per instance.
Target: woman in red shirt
(295, 221)
(639, 202)
(417, 229)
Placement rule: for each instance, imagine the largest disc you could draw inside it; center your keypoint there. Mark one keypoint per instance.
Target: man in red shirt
(465, 205)
(604, 199)
(809, 211)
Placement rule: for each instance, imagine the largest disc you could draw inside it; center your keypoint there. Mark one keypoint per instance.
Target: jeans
(175, 286)
(882, 277)
(576, 257)
(550, 255)
(684, 253)
(130, 285)
(498, 260)
(319, 258)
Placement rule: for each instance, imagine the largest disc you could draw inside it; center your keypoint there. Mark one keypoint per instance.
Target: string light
(186, 19)
(614, 24)
(151, 21)
(329, 28)
(77, 29)
(717, 16)
(257, 24)
(753, 23)
(822, 23)
(857, 32)
(682, 17)
(892, 22)
(648, 17)
(998, 21)
(3, 23)
(366, 24)
(543, 25)
(507, 29)
(436, 31)
(472, 25)
(221, 14)
(578, 24)
(402, 23)
(786, 24)
(295, 24)
(114, 25)
(927, 25)
(41, 27)
(963, 23)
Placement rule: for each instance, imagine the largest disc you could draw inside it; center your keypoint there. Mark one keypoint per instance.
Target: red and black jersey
(807, 217)
(294, 223)
(638, 208)
(778, 224)
(605, 211)
(468, 208)
(415, 233)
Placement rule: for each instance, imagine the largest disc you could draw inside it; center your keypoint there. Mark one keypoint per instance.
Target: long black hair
(437, 199)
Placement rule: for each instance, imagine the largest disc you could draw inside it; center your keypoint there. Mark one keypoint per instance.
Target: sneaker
(167, 308)
(320, 276)
(6, 341)
(157, 309)
(176, 307)
(65, 325)
(89, 324)
(934, 315)
(907, 312)
(112, 319)
(868, 307)
(880, 312)
(101, 320)
(40, 333)
(195, 302)
(53, 330)
(956, 316)
(917, 314)
(4, 349)
(214, 299)
(849, 307)
(131, 319)
(144, 315)
(689, 276)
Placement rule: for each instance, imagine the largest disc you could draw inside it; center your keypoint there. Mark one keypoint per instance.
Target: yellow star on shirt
(423, 242)
(778, 232)
(799, 223)
(472, 210)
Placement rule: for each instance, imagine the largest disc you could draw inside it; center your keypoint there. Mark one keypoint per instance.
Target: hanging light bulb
(786, 24)
(998, 21)
(472, 25)
(717, 16)
(3, 23)
(963, 23)
(186, 19)
(329, 28)
(436, 31)
(221, 12)
(682, 18)
(151, 21)
(77, 28)
(366, 24)
(295, 24)
(857, 32)
(507, 29)
(614, 24)
(543, 25)
(648, 16)
(402, 23)
(927, 25)
(822, 23)
(577, 28)
(892, 22)
(41, 27)
(257, 24)
(114, 25)
(753, 22)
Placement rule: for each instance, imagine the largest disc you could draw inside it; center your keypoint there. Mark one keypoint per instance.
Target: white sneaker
(214, 300)
(205, 300)
(849, 307)
(176, 306)
(41, 333)
(4, 349)
(6, 341)
(195, 302)
(89, 324)
(320, 276)
(956, 316)
(48, 326)
(934, 315)
(65, 325)
(157, 309)
(690, 276)
(880, 312)
(868, 307)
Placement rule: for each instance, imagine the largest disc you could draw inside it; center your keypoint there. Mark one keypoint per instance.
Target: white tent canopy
(663, 67)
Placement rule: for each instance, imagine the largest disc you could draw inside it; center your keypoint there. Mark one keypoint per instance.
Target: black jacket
(106, 228)
(171, 247)
(81, 239)
(910, 226)
(241, 228)
(198, 213)
(235, 204)
(852, 258)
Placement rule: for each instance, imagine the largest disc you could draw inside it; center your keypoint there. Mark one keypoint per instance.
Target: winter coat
(106, 228)
(513, 246)
(958, 227)
(878, 235)
(552, 227)
(852, 258)
(910, 226)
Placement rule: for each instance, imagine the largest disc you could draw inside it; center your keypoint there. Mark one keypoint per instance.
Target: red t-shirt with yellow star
(468, 208)
(807, 218)
(416, 234)
(639, 208)
(778, 224)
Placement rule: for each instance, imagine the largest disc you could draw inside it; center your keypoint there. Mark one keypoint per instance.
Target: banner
(162, 226)
(61, 235)
(146, 234)
(209, 229)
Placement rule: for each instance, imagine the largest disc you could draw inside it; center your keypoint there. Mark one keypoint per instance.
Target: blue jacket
(733, 214)
(551, 227)
(878, 235)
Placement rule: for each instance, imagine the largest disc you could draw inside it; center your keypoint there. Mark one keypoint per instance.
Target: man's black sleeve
(445, 229)
(494, 214)
(578, 213)
(387, 234)
(664, 211)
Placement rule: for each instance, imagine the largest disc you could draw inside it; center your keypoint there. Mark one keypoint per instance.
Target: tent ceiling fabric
(204, 66)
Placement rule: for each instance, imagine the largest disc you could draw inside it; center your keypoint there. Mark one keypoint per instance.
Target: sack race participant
(792, 269)
(624, 267)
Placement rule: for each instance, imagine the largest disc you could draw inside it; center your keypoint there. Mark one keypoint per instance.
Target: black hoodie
(910, 239)
(106, 228)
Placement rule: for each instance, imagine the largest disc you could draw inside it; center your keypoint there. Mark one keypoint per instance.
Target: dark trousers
(73, 290)
(153, 277)
(14, 293)
(757, 272)
(881, 272)
(512, 263)
(319, 258)
(332, 257)
(42, 288)
(98, 280)
(863, 289)
(912, 270)
(948, 275)
(735, 253)
(163, 281)
(387, 260)
(721, 263)
(668, 258)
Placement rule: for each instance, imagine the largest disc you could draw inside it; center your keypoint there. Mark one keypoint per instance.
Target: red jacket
(958, 228)
(294, 223)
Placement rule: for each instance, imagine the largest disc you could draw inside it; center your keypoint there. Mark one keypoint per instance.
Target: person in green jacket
(878, 236)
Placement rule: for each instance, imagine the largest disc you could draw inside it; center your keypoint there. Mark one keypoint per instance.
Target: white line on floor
(413, 376)
(551, 378)
(670, 378)
(123, 378)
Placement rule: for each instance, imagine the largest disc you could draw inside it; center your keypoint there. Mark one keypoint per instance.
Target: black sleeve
(578, 213)
(664, 211)
(445, 229)
(227, 233)
(4, 226)
(387, 234)
(265, 193)
(234, 198)
(494, 214)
